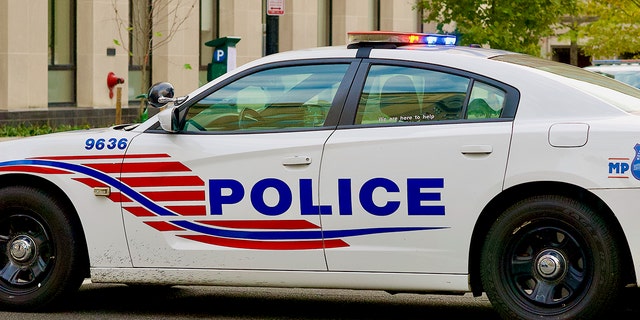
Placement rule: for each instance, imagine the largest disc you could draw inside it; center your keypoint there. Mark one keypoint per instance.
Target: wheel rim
(548, 267)
(27, 253)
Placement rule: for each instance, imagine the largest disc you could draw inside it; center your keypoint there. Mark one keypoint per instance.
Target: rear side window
(485, 101)
(394, 94)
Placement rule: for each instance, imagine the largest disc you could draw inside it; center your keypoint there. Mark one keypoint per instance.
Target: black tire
(550, 257)
(41, 262)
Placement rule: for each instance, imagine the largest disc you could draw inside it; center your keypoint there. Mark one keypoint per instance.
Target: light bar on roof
(402, 38)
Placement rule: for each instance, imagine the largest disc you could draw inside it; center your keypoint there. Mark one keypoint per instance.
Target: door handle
(476, 149)
(296, 161)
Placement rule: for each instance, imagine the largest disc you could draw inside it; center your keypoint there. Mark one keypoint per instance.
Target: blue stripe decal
(293, 235)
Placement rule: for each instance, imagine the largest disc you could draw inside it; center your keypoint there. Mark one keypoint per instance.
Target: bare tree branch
(143, 31)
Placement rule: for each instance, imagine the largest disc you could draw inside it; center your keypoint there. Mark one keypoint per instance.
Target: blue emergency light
(402, 38)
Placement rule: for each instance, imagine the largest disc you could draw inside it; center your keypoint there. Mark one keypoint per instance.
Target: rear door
(404, 184)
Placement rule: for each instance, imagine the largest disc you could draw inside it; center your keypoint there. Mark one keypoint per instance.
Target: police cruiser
(399, 162)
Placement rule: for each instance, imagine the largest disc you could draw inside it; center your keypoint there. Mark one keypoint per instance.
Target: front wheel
(40, 258)
(550, 257)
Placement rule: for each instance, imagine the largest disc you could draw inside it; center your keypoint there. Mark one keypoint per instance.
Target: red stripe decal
(266, 245)
(263, 224)
(106, 167)
(163, 226)
(151, 155)
(124, 198)
(34, 169)
(107, 156)
(115, 197)
(119, 197)
(138, 167)
(335, 243)
(175, 181)
(140, 212)
(189, 210)
(92, 183)
(175, 195)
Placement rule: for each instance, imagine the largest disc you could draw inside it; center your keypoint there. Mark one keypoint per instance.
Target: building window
(140, 55)
(62, 53)
(324, 22)
(374, 15)
(209, 18)
(563, 54)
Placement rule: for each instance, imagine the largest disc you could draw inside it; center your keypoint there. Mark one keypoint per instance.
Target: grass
(34, 130)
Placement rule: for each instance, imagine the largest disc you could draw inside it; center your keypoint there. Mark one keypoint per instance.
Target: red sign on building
(275, 7)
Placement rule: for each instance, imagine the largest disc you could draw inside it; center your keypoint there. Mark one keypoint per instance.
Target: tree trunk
(573, 53)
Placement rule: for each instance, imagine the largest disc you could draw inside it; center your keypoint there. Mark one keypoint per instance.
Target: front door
(236, 188)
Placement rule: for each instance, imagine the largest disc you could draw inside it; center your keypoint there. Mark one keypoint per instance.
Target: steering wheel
(248, 117)
(450, 106)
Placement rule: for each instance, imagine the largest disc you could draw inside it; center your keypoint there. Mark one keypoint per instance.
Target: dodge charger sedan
(399, 162)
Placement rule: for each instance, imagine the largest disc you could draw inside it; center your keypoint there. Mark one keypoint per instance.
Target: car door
(235, 188)
(404, 185)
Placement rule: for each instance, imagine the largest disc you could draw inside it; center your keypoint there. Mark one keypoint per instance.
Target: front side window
(274, 99)
(394, 94)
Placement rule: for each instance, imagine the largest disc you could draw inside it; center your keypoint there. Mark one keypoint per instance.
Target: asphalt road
(100, 301)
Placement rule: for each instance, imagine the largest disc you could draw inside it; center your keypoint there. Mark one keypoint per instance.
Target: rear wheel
(550, 257)
(40, 260)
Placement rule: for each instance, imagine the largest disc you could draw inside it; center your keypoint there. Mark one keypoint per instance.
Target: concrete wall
(23, 54)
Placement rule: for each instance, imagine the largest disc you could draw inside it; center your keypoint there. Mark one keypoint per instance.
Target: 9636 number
(110, 143)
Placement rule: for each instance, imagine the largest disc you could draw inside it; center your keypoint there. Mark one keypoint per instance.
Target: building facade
(55, 55)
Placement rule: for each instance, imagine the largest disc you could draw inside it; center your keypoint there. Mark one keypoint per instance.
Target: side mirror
(168, 119)
(160, 94)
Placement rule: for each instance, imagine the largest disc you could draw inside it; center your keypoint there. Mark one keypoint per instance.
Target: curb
(8, 138)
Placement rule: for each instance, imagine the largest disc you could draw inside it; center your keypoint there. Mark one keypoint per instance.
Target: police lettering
(419, 201)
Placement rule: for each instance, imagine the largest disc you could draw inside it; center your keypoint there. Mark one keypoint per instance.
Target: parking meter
(224, 56)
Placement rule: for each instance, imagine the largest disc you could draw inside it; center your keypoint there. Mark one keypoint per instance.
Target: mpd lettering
(618, 167)
(422, 196)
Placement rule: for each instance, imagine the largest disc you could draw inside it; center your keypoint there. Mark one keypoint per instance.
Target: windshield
(607, 89)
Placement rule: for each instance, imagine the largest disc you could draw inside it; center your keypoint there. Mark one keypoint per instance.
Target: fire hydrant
(112, 81)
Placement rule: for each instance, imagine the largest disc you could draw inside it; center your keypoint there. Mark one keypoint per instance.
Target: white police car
(400, 163)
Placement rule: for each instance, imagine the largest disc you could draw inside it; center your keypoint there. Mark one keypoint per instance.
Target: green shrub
(34, 130)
